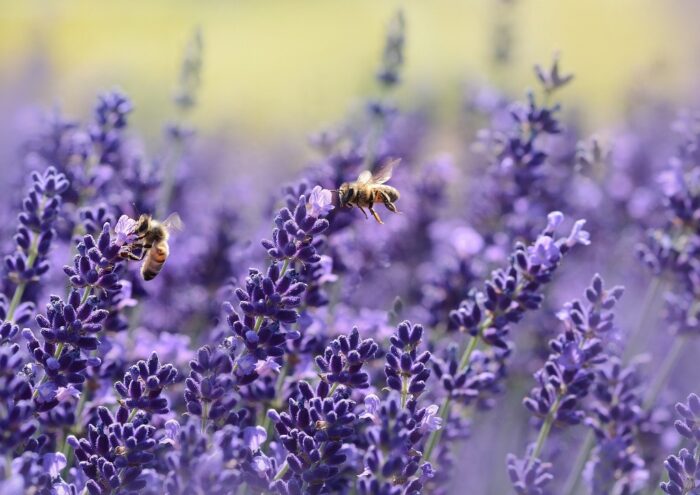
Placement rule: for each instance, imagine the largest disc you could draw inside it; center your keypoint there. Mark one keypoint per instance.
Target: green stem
(86, 294)
(572, 482)
(258, 322)
(16, 300)
(654, 289)
(404, 391)
(466, 357)
(664, 371)
(544, 431)
(21, 287)
(68, 452)
(205, 416)
(285, 267)
(267, 422)
(282, 471)
(132, 414)
(436, 435)
(333, 387)
(8, 466)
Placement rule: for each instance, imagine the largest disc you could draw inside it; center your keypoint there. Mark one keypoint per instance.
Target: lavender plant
(565, 379)
(347, 356)
(683, 468)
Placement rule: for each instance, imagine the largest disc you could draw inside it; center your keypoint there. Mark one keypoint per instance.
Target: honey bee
(369, 189)
(152, 243)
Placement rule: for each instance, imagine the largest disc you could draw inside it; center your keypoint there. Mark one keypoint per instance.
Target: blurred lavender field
(526, 322)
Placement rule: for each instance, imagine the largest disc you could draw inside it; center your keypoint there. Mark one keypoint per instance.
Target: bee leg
(128, 253)
(363, 211)
(391, 206)
(131, 256)
(375, 215)
(388, 204)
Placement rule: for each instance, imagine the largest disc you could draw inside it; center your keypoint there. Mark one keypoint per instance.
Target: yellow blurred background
(275, 67)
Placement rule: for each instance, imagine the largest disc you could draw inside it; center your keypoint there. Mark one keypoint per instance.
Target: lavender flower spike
(684, 469)
(35, 232)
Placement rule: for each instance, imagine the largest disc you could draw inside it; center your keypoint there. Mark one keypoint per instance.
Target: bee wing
(173, 223)
(364, 177)
(384, 173)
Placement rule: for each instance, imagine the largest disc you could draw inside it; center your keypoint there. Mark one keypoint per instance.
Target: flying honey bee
(152, 243)
(369, 189)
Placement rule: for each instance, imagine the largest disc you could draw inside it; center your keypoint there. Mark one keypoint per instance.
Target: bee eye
(347, 194)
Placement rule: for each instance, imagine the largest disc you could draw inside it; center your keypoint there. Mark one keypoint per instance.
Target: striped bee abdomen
(154, 260)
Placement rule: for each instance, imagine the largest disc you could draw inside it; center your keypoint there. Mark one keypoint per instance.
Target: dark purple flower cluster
(293, 236)
(17, 423)
(115, 453)
(95, 266)
(208, 388)
(392, 57)
(616, 417)
(511, 292)
(405, 369)
(35, 232)
(684, 469)
(343, 359)
(522, 180)
(142, 386)
(567, 376)
(398, 428)
(313, 431)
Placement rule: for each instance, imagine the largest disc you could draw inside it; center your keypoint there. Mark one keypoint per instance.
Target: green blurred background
(287, 67)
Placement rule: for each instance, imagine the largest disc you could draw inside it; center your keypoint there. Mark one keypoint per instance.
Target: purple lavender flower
(125, 231)
(115, 453)
(69, 329)
(343, 359)
(292, 239)
(142, 386)
(616, 464)
(567, 376)
(683, 470)
(17, 423)
(392, 57)
(529, 478)
(95, 267)
(320, 202)
(208, 388)
(313, 431)
(74, 322)
(278, 394)
(393, 460)
(274, 296)
(509, 294)
(40, 208)
(551, 79)
(405, 369)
